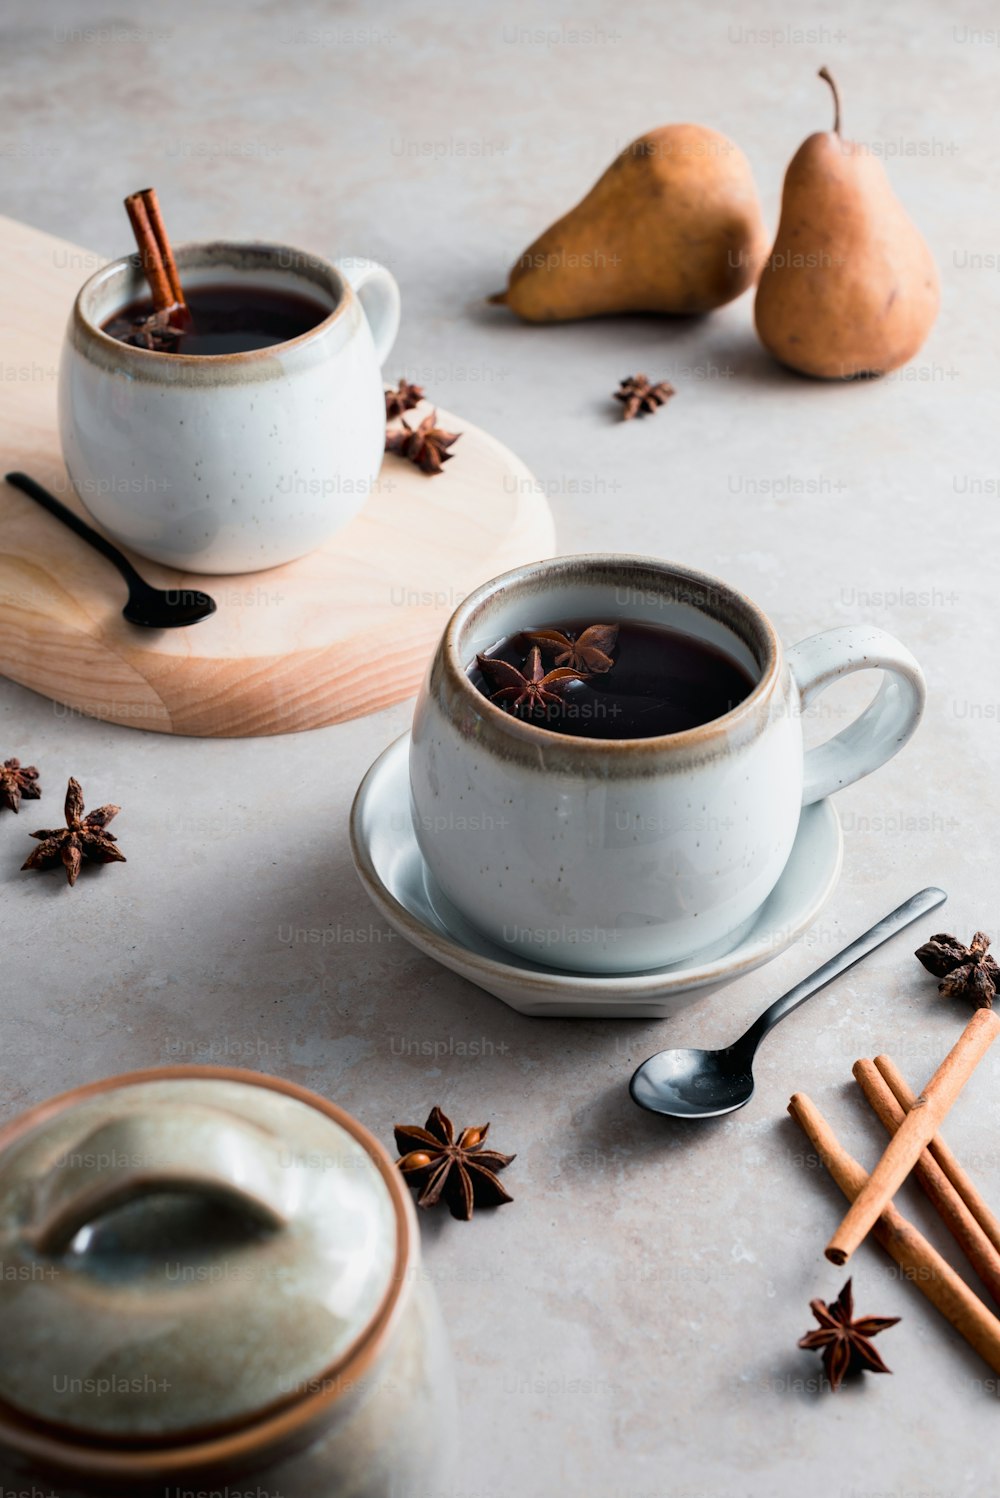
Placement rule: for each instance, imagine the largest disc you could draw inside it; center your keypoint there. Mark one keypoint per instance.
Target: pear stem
(827, 77)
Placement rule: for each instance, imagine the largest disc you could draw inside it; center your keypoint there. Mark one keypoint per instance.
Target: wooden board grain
(342, 632)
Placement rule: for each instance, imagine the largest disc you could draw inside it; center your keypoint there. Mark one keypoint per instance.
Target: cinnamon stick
(953, 1211)
(970, 1195)
(162, 239)
(155, 253)
(915, 1133)
(932, 1275)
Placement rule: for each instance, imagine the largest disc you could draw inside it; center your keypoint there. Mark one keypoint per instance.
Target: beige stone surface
(627, 1328)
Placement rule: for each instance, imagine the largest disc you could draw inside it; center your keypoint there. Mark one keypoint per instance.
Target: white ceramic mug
(622, 855)
(229, 462)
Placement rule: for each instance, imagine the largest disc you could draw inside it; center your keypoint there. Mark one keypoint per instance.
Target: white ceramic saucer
(393, 872)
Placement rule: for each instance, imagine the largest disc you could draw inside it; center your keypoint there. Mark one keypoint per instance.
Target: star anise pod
(459, 1170)
(424, 445)
(534, 687)
(846, 1343)
(590, 652)
(965, 972)
(17, 781)
(155, 332)
(638, 396)
(83, 837)
(404, 398)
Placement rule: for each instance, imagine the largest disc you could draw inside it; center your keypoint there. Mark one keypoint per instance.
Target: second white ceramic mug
(230, 462)
(622, 855)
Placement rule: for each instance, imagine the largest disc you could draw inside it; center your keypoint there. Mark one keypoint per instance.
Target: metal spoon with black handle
(707, 1084)
(153, 608)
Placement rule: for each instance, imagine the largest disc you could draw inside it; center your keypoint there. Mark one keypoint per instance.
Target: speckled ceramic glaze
(621, 856)
(209, 1273)
(230, 462)
(393, 871)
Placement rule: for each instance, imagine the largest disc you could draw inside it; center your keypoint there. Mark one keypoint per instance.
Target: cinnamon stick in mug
(155, 253)
(915, 1133)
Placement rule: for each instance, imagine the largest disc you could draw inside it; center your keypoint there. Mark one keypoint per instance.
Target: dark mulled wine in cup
(630, 680)
(220, 318)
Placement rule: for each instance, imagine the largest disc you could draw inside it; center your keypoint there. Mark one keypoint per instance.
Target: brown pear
(674, 225)
(850, 287)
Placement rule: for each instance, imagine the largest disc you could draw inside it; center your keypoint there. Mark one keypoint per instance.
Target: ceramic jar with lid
(209, 1280)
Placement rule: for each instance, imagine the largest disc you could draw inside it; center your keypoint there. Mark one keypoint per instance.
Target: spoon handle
(61, 512)
(910, 910)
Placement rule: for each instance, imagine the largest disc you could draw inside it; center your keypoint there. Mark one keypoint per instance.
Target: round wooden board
(342, 632)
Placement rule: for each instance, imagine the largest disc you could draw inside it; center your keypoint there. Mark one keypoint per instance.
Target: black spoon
(154, 608)
(706, 1084)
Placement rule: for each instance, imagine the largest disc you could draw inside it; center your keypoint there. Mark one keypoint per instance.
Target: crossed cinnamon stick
(913, 1123)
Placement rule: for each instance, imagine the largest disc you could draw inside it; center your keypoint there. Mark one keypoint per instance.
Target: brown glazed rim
(273, 1431)
(188, 253)
(760, 629)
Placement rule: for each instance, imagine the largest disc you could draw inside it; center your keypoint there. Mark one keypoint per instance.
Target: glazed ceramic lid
(186, 1251)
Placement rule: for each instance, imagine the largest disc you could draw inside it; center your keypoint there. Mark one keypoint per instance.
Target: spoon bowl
(708, 1084)
(158, 608)
(694, 1084)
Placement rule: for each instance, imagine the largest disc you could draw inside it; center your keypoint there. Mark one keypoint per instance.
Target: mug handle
(378, 292)
(884, 726)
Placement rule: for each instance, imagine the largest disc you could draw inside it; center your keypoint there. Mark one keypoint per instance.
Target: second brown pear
(674, 225)
(850, 287)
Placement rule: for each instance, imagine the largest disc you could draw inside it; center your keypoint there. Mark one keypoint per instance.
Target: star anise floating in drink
(461, 1172)
(18, 782)
(534, 687)
(639, 397)
(425, 445)
(83, 838)
(589, 651)
(965, 972)
(845, 1342)
(158, 332)
(403, 398)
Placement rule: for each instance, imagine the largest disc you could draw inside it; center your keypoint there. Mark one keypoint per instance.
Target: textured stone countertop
(627, 1329)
